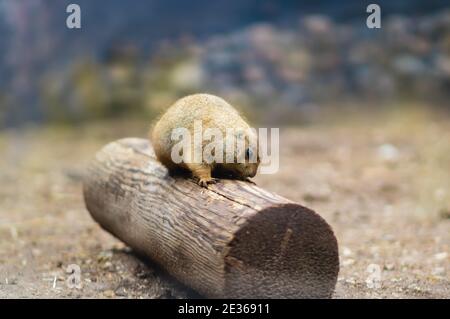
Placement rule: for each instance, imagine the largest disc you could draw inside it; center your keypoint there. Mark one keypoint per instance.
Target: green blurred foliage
(123, 85)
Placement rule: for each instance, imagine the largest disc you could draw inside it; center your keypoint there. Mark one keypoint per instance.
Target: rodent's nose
(252, 174)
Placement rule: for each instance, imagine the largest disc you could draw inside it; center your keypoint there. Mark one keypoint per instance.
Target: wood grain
(234, 239)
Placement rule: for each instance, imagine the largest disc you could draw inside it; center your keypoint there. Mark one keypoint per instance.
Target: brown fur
(214, 112)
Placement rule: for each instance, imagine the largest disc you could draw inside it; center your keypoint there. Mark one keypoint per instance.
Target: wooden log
(234, 239)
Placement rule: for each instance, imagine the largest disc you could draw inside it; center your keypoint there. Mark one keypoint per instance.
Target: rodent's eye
(248, 153)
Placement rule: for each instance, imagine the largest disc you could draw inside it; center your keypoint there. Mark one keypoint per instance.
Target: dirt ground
(382, 182)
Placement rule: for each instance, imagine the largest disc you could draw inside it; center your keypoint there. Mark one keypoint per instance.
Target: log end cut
(286, 251)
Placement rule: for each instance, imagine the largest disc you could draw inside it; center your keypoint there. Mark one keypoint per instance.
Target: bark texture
(234, 239)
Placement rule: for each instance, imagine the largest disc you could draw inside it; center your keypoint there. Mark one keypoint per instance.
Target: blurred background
(278, 57)
(364, 118)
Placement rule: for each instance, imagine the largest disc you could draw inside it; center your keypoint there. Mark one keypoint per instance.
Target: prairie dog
(212, 112)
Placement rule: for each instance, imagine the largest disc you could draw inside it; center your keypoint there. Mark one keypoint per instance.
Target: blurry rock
(350, 281)
(108, 266)
(262, 35)
(408, 65)
(317, 194)
(346, 251)
(348, 262)
(442, 65)
(124, 286)
(438, 271)
(9, 281)
(388, 153)
(109, 294)
(444, 213)
(440, 194)
(441, 256)
(188, 76)
(318, 24)
(104, 256)
(397, 26)
(74, 174)
(166, 294)
(254, 73)
(389, 237)
(121, 292)
(389, 266)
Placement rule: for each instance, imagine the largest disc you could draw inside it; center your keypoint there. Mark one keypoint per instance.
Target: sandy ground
(383, 184)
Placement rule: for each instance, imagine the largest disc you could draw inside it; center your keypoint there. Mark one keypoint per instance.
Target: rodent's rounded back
(209, 110)
(212, 111)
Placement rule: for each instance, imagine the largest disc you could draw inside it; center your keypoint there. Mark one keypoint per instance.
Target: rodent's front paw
(203, 182)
